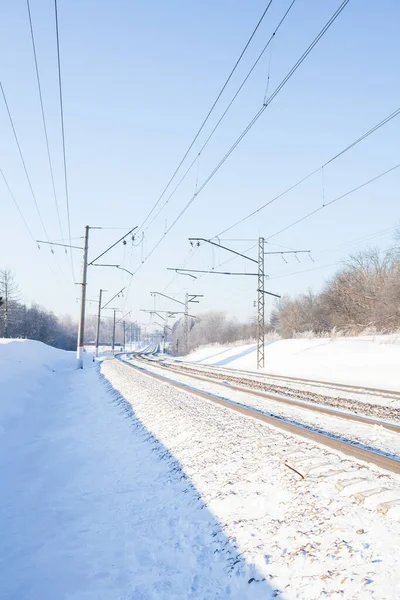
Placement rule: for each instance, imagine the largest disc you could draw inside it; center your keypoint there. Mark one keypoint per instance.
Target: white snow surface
(92, 505)
(129, 490)
(304, 538)
(365, 361)
(366, 434)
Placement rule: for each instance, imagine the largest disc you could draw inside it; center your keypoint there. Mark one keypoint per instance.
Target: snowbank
(367, 361)
(25, 367)
(19, 358)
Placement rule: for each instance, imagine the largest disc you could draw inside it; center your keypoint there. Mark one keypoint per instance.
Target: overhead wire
(334, 264)
(282, 274)
(354, 242)
(372, 130)
(208, 114)
(63, 130)
(250, 125)
(313, 212)
(222, 116)
(23, 162)
(221, 264)
(44, 118)
(28, 180)
(17, 207)
(12, 195)
(197, 191)
(182, 264)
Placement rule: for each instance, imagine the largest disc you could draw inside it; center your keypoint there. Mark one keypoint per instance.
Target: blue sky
(138, 80)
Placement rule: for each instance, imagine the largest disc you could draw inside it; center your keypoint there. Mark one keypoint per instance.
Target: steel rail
(341, 386)
(289, 401)
(353, 450)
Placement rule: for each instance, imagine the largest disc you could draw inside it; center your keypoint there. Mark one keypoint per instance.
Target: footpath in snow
(365, 361)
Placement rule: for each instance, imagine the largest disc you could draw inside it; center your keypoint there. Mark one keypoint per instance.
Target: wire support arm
(223, 247)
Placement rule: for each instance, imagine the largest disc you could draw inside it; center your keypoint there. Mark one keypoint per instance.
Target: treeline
(132, 330)
(35, 323)
(362, 297)
(17, 320)
(213, 327)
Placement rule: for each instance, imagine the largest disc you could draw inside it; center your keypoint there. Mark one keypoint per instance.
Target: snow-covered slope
(25, 367)
(367, 361)
(20, 357)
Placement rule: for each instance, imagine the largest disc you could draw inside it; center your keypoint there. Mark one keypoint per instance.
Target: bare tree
(363, 295)
(10, 293)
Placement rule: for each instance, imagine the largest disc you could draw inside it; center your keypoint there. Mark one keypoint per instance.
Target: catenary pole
(186, 324)
(260, 305)
(81, 326)
(113, 334)
(98, 322)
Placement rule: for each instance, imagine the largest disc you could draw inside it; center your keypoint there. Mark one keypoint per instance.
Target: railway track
(350, 448)
(392, 394)
(310, 394)
(290, 401)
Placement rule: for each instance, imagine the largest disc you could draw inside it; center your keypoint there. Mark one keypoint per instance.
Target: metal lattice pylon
(186, 324)
(260, 305)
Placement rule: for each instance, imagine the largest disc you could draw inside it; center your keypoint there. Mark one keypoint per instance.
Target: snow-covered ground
(92, 505)
(365, 361)
(303, 536)
(371, 436)
(126, 489)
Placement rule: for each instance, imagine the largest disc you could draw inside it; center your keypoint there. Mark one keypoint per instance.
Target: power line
(112, 245)
(208, 114)
(23, 161)
(117, 295)
(199, 240)
(210, 272)
(307, 270)
(313, 212)
(221, 264)
(62, 128)
(17, 206)
(43, 117)
(303, 179)
(250, 125)
(356, 241)
(223, 115)
(183, 264)
(29, 230)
